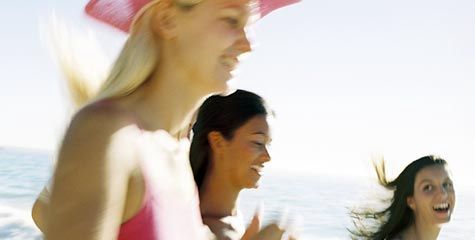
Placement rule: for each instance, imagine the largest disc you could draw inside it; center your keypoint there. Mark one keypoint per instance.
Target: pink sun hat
(121, 13)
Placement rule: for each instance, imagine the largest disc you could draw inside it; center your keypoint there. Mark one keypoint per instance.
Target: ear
(216, 141)
(163, 21)
(411, 202)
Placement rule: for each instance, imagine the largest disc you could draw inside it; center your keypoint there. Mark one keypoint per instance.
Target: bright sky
(348, 80)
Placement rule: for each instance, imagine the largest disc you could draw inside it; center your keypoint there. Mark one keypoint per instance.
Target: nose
(443, 191)
(266, 156)
(243, 44)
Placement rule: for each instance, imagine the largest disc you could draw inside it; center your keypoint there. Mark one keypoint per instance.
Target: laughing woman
(423, 199)
(228, 152)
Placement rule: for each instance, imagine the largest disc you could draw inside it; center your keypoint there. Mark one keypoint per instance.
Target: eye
(232, 21)
(258, 144)
(427, 188)
(448, 185)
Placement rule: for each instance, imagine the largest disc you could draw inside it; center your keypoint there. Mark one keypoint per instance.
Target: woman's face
(434, 196)
(210, 40)
(243, 156)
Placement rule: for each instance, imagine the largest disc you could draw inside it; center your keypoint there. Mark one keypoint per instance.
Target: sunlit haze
(348, 80)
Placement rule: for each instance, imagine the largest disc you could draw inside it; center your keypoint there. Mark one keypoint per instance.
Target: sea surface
(317, 205)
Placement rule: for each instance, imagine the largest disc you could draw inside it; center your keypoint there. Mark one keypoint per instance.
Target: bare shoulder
(90, 181)
(100, 131)
(99, 140)
(104, 120)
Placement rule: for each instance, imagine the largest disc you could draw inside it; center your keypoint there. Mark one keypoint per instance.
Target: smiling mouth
(441, 207)
(258, 169)
(229, 62)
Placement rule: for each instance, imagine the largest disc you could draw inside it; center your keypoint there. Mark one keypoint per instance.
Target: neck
(218, 197)
(421, 230)
(166, 101)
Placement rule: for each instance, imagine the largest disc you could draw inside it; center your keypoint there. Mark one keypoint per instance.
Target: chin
(444, 221)
(220, 87)
(255, 185)
(228, 91)
(251, 185)
(224, 90)
(223, 77)
(442, 224)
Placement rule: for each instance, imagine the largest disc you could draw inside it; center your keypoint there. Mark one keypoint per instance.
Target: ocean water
(22, 176)
(318, 204)
(322, 203)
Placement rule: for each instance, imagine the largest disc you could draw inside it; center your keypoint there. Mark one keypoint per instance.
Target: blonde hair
(134, 65)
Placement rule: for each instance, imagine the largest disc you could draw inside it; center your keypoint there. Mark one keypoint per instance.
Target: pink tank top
(170, 208)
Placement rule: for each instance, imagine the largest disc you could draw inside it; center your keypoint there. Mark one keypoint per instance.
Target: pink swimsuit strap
(140, 226)
(164, 214)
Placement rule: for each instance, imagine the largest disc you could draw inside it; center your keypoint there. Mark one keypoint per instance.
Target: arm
(221, 229)
(39, 209)
(226, 231)
(91, 178)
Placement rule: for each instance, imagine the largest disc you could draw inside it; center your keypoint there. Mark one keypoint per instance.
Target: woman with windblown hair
(423, 199)
(120, 174)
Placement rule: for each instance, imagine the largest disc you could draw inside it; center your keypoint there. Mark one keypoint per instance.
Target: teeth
(228, 61)
(257, 168)
(441, 206)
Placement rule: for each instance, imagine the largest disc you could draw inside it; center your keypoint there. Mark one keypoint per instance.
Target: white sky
(348, 79)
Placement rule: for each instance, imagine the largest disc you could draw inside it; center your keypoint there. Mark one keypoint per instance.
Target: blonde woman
(120, 174)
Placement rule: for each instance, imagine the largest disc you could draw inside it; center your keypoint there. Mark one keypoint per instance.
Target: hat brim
(121, 14)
